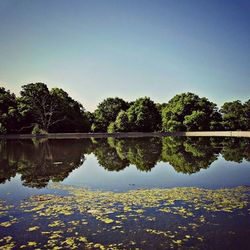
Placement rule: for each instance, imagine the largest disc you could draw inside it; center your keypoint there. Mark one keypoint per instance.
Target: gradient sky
(100, 48)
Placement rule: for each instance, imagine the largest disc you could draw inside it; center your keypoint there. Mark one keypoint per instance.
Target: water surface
(148, 193)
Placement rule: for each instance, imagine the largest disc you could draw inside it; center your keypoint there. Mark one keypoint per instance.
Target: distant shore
(128, 134)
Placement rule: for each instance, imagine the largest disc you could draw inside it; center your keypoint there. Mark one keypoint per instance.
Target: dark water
(146, 193)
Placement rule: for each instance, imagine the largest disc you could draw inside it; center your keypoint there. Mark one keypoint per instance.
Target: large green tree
(189, 112)
(8, 111)
(121, 123)
(247, 114)
(36, 107)
(107, 112)
(143, 116)
(71, 114)
(52, 111)
(233, 117)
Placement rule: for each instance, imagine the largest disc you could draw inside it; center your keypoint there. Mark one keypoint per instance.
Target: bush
(111, 127)
(38, 131)
(3, 130)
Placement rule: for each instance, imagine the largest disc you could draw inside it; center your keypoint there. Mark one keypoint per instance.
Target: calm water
(148, 193)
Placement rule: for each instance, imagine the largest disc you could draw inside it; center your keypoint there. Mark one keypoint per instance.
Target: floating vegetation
(143, 219)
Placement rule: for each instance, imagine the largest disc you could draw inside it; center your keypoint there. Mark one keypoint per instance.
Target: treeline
(39, 161)
(40, 110)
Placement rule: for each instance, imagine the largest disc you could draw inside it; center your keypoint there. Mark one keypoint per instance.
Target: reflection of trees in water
(185, 154)
(141, 152)
(189, 155)
(8, 165)
(41, 161)
(236, 149)
(50, 161)
(108, 157)
(116, 154)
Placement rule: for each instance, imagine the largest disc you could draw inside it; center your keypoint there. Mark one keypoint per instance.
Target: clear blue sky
(96, 49)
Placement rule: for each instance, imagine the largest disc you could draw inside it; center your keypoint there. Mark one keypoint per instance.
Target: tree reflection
(8, 164)
(236, 149)
(141, 152)
(108, 157)
(116, 154)
(189, 155)
(39, 161)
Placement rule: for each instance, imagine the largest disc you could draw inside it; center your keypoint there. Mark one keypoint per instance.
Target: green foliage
(53, 111)
(69, 115)
(160, 106)
(143, 116)
(111, 128)
(8, 112)
(188, 112)
(3, 130)
(233, 115)
(94, 127)
(247, 114)
(40, 110)
(107, 112)
(38, 131)
(195, 121)
(122, 122)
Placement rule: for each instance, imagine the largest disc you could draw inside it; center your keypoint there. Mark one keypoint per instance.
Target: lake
(125, 193)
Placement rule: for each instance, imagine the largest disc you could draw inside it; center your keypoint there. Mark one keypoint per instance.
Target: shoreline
(128, 134)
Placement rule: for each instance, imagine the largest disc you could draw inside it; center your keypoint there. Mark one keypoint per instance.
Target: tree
(106, 113)
(53, 111)
(111, 128)
(8, 111)
(71, 115)
(122, 122)
(187, 112)
(246, 107)
(37, 106)
(143, 116)
(233, 115)
(195, 121)
(161, 106)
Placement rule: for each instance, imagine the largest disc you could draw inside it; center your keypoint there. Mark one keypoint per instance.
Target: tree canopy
(8, 111)
(39, 110)
(189, 112)
(143, 116)
(50, 110)
(107, 112)
(233, 115)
